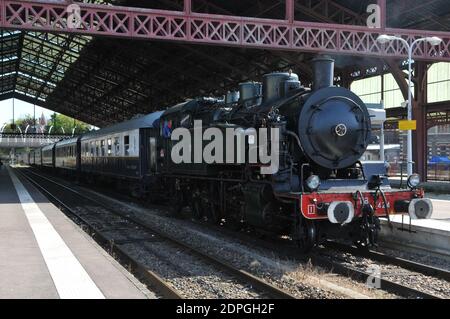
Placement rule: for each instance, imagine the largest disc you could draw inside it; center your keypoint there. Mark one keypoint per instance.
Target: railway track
(322, 258)
(326, 258)
(333, 264)
(47, 186)
(385, 258)
(340, 266)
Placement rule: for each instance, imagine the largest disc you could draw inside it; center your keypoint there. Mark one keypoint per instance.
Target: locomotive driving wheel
(177, 200)
(197, 208)
(305, 235)
(211, 213)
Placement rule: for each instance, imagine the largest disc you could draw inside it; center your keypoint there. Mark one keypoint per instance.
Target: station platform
(43, 254)
(430, 234)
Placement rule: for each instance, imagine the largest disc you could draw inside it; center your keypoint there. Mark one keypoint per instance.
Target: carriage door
(152, 154)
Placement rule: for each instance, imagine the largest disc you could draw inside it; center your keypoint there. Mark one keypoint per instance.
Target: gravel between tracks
(435, 286)
(423, 257)
(189, 276)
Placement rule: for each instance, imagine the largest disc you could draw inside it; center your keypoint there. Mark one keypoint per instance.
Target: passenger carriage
(67, 155)
(124, 153)
(37, 157)
(48, 159)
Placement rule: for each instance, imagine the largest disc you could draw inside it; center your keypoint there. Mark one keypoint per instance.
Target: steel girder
(190, 27)
(438, 118)
(437, 114)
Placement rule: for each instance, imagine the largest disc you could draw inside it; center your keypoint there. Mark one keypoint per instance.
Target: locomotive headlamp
(413, 181)
(313, 182)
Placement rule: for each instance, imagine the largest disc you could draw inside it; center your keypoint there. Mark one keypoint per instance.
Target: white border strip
(70, 278)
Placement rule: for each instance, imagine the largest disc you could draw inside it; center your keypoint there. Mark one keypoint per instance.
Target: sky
(20, 110)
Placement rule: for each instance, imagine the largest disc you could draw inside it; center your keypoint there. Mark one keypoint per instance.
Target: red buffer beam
(191, 27)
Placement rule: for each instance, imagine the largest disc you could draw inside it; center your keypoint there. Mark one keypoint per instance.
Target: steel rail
(385, 284)
(257, 282)
(401, 262)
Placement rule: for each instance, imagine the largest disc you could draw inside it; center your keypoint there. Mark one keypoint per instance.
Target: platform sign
(406, 125)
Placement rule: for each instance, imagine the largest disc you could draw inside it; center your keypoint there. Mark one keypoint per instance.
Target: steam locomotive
(211, 155)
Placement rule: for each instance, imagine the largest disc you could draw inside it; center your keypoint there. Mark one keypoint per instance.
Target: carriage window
(126, 144)
(103, 147)
(116, 146)
(109, 147)
(97, 143)
(152, 156)
(92, 148)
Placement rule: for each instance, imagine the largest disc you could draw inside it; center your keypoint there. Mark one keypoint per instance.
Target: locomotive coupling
(340, 212)
(417, 208)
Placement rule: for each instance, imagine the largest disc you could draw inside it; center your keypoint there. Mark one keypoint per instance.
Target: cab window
(109, 147)
(126, 144)
(103, 147)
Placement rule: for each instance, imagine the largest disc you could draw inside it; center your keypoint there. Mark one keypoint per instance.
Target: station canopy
(103, 80)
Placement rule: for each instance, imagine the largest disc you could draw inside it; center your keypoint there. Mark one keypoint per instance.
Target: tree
(27, 120)
(20, 124)
(61, 124)
(65, 124)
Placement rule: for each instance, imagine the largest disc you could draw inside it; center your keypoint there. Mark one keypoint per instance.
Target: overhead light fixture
(413, 181)
(384, 38)
(434, 41)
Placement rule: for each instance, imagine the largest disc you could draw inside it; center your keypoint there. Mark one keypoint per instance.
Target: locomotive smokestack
(323, 72)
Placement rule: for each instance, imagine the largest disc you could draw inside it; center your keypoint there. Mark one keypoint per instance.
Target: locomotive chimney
(323, 72)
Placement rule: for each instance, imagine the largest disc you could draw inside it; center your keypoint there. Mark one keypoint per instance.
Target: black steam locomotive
(276, 156)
